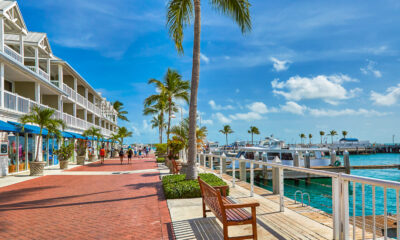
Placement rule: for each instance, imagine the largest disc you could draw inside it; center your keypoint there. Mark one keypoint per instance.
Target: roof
(348, 140)
(10, 10)
(32, 38)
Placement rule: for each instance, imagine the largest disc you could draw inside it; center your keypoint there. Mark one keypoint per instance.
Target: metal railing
(12, 53)
(340, 193)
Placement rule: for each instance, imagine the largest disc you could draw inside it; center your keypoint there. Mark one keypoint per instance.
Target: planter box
(37, 168)
(80, 160)
(64, 164)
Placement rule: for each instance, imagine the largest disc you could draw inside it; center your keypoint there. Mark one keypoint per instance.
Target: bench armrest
(241, 205)
(223, 188)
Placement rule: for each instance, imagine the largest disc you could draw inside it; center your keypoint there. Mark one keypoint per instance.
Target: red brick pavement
(128, 206)
(114, 164)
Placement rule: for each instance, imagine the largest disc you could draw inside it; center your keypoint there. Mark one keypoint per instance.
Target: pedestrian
(140, 152)
(147, 151)
(102, 154)
(135, 152)
(121, 155)
(130, 152)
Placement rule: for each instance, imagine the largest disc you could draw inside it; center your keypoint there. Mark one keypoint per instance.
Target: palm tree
(92, 132)
(310, 137)
(44, 119)
(253, 130)
(157, 104)
(123, 133)
(321, 133)
(302, 136)
(180, 14)
(332, 133)
(158, 122)
(226, 130)
(172, 88)
(344, 133)
(181, 133)
(118, 106)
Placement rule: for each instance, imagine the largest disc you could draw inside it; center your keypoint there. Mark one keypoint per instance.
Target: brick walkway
(115, 165)
(126, 206)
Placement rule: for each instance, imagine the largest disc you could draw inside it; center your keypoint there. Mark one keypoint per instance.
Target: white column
(60, 76)
(60, 104)
(17, 143)
(85, 114)
(48, 67)
(40, 155)
(26, 146)
(21, 47)
(2, 34)
(86, 93)
(36, 59)
(37, 93)
(76, 85)
(74, 109)
(1, 85)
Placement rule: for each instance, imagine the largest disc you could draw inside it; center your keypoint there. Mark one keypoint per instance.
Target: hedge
(160, 160)
(175, 186)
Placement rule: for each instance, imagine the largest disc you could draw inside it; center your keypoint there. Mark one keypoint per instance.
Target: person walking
(147, 151)
(135, 152)
(140, 152)
(130, 153)
(102, 155)
(121, 155)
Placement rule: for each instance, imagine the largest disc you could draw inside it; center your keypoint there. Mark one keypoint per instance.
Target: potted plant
(92, 132)
(64, 154)
(80, 151)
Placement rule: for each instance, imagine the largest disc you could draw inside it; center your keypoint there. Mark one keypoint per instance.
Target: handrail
(12, 53)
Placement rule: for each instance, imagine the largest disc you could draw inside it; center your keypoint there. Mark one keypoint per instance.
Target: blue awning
(6, 127)
(29, 128)
(76, 135)
(67, 135)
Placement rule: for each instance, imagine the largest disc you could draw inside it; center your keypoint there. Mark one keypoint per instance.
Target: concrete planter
(37, 168)
(80, 160)
(184, 168)
(64, 164)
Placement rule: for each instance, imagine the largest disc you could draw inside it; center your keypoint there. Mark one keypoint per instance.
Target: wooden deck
(296, 222)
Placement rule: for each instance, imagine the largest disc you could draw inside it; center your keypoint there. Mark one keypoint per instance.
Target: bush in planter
(175, 186)
(174, 146)
(161, 149)
(161, 160)
(64, 154)
(81, 151)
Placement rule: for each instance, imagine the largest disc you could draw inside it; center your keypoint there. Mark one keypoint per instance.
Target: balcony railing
(44, 74)
(10, 52)
(70, 92)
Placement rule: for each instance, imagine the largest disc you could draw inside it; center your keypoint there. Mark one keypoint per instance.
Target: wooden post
(333, 157)
(223, 162)
(296, 163)
(211, 162)
(242, 167)
(307, 164)
(256, 158)
(346, 161)
(276, 177)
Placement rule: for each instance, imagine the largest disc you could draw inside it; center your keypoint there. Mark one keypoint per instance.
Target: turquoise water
(320, 189)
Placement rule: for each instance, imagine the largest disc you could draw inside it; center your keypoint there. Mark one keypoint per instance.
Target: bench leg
(204, 210)
(254, 226)
(226, 232)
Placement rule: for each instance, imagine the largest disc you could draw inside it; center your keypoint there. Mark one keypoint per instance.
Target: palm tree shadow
(14, 194)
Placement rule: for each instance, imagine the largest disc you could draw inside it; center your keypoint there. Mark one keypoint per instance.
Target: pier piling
(223, 161)
(242, 167)
(346, 161)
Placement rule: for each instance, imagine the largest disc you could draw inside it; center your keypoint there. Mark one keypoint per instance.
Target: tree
(332, 133)
(123, 133)
(344, 133)
(172, 88)
(226, 130)
(253, 130)
(310, 137)
(93, 132)
(181, 133)
(118, 106)
(180, 14)
(321, 133)
(302, 136)
(157, 105)
(44, 119)
(158, 122)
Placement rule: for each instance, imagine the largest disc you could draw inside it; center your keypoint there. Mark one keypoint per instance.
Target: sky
(306, 66)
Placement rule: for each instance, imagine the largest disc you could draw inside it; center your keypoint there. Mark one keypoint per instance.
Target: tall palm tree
(44, 119)
(180, 14)
(253, 130)
(332, 133)
(181, 133)
(158, 122)
(321, 133)
(226, 130)
(93, 132)
(310, 137)
(157, 105)
(172, 88)
(122, 134)
(344, 133)
(119, 106)
(302, 136)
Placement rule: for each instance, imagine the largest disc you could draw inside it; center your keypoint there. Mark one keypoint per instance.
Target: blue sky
(306, 66)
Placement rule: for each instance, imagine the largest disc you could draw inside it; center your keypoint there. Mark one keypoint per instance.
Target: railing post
(242, 169)
(336, 189)
(223, 160)
(233, 172)
(344, 209)
(346, 161)
(220, 166)
(201, 159)
(251, 179)
(211, 162)
(333, 157)
(275, 176)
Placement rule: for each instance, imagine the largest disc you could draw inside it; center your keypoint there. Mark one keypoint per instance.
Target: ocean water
(320, 190)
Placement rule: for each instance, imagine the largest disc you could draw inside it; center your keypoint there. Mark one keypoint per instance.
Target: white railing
(70, 92)
(340, 194)
(90, 106)
(10, 52)
(32, 68)
(97, 110)
(80, 99)
(44, 74)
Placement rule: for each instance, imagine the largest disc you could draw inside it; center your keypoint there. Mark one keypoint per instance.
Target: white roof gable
(10, 10)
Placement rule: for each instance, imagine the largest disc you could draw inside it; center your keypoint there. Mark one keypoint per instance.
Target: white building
(30, 75)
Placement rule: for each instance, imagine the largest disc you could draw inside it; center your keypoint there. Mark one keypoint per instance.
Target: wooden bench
(226, 210)
(175, 167)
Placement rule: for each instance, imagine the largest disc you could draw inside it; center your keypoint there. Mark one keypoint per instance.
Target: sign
(3, 148)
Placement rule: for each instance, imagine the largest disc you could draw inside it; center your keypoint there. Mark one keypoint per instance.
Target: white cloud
(217, 107)
(246, 116)
(347, 112)
(207, 121)
(327, 88)
(293, 107)
(370, 69)
(204, 58)
(390, 98)
(221, 117)
(258, 107)
(280, 65)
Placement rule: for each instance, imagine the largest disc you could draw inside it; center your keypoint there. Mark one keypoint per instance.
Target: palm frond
(179, 15)
(238, 10)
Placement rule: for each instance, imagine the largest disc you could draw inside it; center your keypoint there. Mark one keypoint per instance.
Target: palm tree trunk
(38, 147)
(226, 139)
(251, 138)
(191, 170)
(169, 118)
(321, 139)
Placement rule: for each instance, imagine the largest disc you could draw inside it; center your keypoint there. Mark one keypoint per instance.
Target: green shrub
(161, 149)
(175, 186)
(161, 160)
